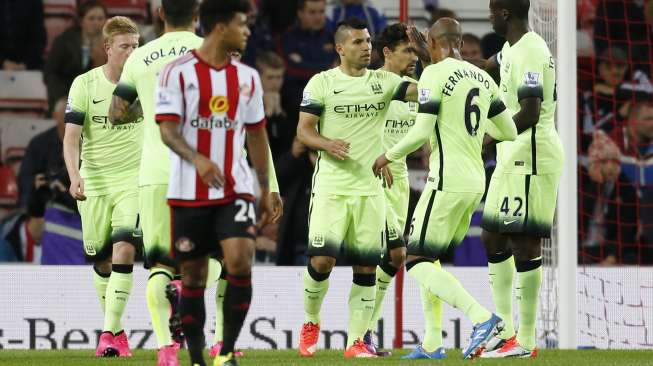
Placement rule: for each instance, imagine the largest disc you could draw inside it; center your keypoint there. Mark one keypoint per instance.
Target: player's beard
(408, 71)
(363, 64)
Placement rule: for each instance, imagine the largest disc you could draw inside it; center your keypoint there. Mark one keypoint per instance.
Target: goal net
(615, 174)
(610, 256)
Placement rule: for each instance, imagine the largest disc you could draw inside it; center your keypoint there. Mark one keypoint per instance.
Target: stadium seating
(135, 9)
(59, 7)
(59, 15)
(22, 91)
(16, 132)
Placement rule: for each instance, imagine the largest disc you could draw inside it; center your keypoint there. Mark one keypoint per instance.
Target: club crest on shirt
(163, 98)
(69, 105)
(306, 99)
(376, 88)
(531, 79)
(318, 241)
(424, 96)
(89, 248)
(219, 104)
(184, 244)
(245, 90)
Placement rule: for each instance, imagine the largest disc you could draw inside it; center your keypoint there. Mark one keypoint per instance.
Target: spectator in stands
(438, 13)
(491, 43)
(585, 16)
(260, 39)
(43, 160)
(626, 24)
(294, 174)
(636, 142)
(602, 107)
(278, 15)
(607, 207)
(22, 35)
(13, 158)
(76, 50)
(20, 232)
(361, 9)
(471, 47)
(307, 48)
(281, 127)
(43, 187)
(430, 5)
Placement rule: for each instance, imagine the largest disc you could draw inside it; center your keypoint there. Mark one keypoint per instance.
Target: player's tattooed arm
(308, 135)
(122, 111)
(208, 170)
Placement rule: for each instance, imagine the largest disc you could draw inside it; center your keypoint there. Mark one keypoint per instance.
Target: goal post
(566, 238)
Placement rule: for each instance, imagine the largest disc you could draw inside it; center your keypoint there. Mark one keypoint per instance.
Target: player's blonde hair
(116, 26)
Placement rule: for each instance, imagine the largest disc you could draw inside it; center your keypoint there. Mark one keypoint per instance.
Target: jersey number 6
(470, 108)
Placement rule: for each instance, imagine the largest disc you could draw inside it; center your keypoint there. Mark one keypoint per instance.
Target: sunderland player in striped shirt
(521, 199)
(136, 89)
(342, 115)
(206, 105)
(106, 184)
(458, 104)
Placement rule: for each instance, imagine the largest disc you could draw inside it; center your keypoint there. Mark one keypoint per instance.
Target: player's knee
(194, 272)
(398, 257)
(239, 266)
(157, 265)
(323, 264)
(123, 253)
(103, 267)
(494, 242)
(527, 250)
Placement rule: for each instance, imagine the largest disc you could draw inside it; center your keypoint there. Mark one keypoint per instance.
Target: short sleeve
(396, 84)
(528, 75)
(496, 103)
(313, 96)
(77, 102)
(254, 114)
(169, 95)
(126, 88)
(429, 93)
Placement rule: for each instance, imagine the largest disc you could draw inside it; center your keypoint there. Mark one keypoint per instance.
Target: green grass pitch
(329, 358)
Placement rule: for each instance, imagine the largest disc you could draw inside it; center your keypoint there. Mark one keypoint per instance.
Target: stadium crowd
(290, 42)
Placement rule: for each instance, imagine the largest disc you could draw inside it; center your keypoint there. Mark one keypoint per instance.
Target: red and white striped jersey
(213, 107)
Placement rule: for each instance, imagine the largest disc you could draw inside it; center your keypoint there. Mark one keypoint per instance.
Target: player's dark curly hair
(213, 12)
(179, 13)
(391, 37)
